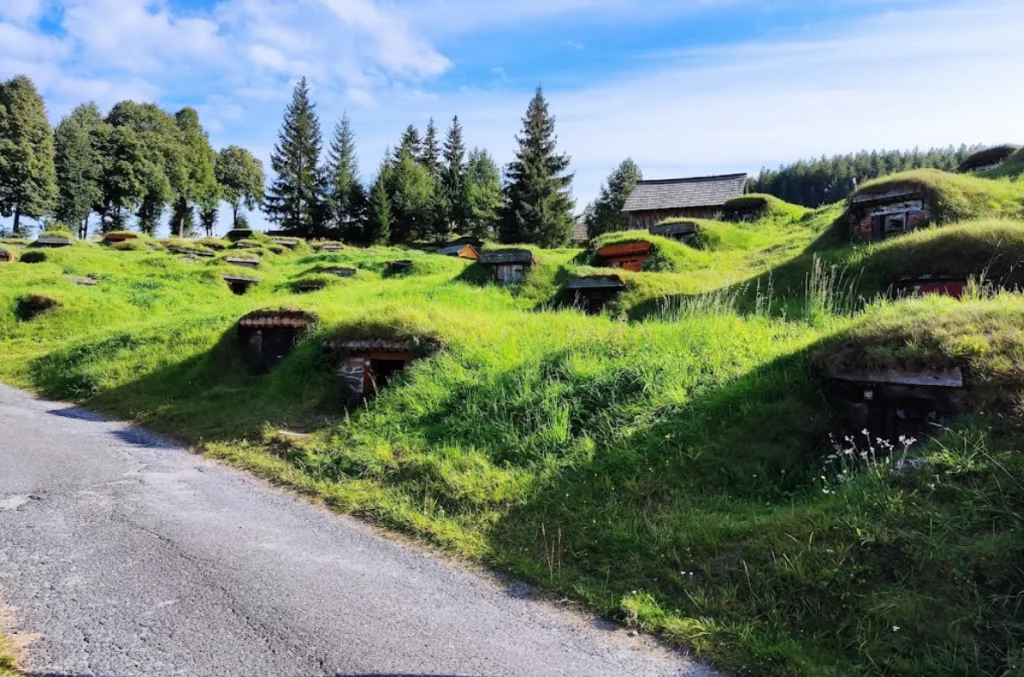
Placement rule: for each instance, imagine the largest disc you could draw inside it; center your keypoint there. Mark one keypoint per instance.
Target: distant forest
(817, 182)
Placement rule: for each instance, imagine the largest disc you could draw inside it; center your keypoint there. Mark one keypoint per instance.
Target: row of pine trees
(425, 190)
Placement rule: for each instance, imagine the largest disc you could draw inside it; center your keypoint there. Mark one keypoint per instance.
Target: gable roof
(697, 191)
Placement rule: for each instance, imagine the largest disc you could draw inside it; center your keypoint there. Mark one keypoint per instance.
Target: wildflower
(895, 628)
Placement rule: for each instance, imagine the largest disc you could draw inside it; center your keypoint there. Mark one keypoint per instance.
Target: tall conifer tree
(28, 179)
(430, 157)
(605, 215)
(347, 196)
(453, 179)
(378, 217)
(294, 200)
(538, 201)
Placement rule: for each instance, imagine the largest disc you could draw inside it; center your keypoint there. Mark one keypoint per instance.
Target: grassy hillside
(671, 462)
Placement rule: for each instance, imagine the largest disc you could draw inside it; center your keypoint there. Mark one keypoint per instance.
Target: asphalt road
(129, 556)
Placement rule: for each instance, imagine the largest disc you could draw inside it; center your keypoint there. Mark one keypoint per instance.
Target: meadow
(671, 463)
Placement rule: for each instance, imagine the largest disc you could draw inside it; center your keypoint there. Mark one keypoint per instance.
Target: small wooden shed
(52, 241)
(922, 285)
(508, 266)
(370, 363)
(238, 234)
(877, 216)
(244, 263)
(238, 284)
(685, 231)
(7, 255)
(114, 238)
(462, 251)
(895, 402)
(332, 247)
(267, 337)
(591, 294)
(340, 271)
(625, 255)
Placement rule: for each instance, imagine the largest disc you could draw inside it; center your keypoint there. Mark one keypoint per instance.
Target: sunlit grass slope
(668, 462)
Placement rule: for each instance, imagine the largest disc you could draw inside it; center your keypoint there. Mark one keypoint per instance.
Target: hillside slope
(673, 461)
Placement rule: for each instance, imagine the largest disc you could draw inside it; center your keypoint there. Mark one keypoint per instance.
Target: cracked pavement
(128, 555)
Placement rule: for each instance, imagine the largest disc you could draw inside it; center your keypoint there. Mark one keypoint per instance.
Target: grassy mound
(1011, 168)
(988, 156)
(669, 256)
(763, 207)
(672, 473)
(957, 197)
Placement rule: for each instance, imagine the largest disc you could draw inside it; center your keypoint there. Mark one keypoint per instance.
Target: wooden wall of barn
(644, 220)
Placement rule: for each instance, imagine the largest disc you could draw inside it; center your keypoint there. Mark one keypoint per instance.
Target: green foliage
(348, 199)
(241, 179)
(123, 174)
(27, 175)
(430, 155)
(605, 214)
(378, 222)
(455, 187)
(295, 199)
(412, 193)
(827, 180)
(483, 194)
(200, 190)
(538, 204)
(78, 166)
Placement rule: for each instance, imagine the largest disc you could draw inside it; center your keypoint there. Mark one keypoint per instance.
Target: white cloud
(22, 11)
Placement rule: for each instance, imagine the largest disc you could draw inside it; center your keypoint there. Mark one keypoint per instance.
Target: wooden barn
(507, 266)
(370, 363)
(266, 337)
(700, 197)
(625, 255)
(461, 250)
(591, 294)
(877, 216)
(685, 231)
(897, 402)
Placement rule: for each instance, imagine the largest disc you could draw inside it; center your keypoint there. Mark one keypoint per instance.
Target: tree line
(827, 180)
(137, 161)
(425, 189)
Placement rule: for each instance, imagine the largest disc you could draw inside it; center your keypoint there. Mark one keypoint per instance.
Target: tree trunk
(17, 221)
(234, 216)
(83, 232)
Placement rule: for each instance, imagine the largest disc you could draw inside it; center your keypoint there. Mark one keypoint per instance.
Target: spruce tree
(538, 203)
(78, 167)
(483, 194)
(28, 178)
(605, 215)
(347, 196)
(410, 144)
(378, 218)
(412, 193)
(453, 180)
(294, 200)
(430, 155)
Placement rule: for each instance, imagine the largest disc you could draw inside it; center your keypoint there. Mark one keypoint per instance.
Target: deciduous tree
(79, 165)
(241, 179)
(199, 190)
(605, 215)
(28, 184)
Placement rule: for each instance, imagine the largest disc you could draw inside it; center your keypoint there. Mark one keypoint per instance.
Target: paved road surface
(129, 556)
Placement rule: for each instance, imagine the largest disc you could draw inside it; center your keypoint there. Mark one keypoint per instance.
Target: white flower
(895, 628)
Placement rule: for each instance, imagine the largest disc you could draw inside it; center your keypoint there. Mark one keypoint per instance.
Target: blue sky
(683, 86)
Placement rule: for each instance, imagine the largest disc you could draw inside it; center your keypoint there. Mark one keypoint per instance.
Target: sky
(684, 87)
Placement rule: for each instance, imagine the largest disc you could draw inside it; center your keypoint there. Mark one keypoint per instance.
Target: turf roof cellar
(677, 439)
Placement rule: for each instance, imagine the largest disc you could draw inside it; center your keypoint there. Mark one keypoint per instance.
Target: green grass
(1011, 168)
(767, 207)
(8, 664)
(666, 462)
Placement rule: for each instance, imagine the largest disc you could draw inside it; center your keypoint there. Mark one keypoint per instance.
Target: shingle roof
(698, 191)
(506, 256)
